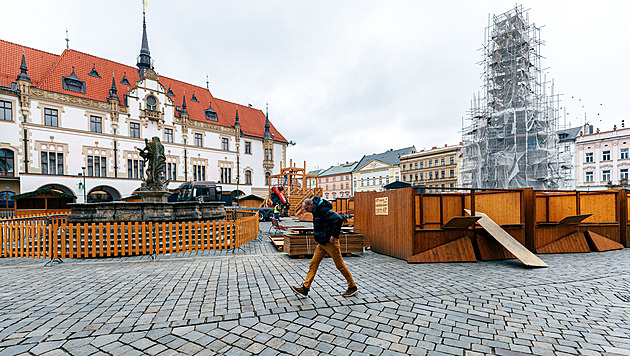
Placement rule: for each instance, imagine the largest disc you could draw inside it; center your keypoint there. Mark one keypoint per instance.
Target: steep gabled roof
(47, 71)
(569, 134)
(340, 169)
(390, 157)
(38, 63)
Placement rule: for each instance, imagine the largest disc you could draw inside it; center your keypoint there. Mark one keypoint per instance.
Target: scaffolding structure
(510, 136)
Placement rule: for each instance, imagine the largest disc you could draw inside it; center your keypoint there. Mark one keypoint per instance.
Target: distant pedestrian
(276, 212)
(327, 226)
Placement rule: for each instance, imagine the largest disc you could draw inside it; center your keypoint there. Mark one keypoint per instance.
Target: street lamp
(84, 192)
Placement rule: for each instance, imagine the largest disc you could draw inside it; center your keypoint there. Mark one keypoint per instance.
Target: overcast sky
(345, 78)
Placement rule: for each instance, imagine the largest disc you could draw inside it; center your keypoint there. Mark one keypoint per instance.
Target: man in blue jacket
(327, 226)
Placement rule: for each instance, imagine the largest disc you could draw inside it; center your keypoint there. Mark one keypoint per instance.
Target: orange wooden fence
(52, 237)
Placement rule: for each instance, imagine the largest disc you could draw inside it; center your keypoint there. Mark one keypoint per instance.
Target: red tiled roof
(252, 120)
(47, 70)
(38, 62)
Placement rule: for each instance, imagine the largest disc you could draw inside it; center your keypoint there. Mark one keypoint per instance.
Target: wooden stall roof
(43, 193)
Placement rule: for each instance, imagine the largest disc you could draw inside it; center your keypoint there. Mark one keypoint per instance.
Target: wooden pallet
(304, 244)
(277, 242)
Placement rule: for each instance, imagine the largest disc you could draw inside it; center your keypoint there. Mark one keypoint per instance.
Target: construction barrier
(51, 237)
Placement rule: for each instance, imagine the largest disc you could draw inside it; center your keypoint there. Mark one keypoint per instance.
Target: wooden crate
(303, 245)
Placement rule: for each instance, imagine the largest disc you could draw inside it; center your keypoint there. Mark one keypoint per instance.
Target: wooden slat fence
(52, 237)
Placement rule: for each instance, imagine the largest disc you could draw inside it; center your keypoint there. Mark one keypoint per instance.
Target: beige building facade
(437, 168)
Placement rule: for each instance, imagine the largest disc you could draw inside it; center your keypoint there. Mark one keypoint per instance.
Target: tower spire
(23, 70)
(144, 59)
(113, 92)
(236, 122)
(267, 135)
(67, 40)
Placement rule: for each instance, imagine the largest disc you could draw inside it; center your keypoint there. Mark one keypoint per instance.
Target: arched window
(151, 103)
(267, 175)
(248, 177)
(6, 163)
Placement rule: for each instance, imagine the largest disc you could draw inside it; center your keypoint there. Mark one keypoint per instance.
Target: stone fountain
(153, 192)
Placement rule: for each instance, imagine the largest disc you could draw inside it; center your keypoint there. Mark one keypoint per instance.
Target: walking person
(276, 212)
(327, 226)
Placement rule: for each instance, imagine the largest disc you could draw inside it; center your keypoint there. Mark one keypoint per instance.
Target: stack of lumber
(301, 245)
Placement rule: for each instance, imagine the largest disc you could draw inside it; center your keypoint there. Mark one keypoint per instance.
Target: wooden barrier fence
(406, 222)
(52, 237)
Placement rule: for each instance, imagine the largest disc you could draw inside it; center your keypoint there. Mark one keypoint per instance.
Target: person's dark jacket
(326, 222)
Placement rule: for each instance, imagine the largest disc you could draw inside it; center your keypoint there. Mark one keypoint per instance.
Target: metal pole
(84, 187)
(238, 175)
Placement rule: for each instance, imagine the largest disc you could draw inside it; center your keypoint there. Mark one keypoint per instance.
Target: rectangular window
(135, 168)
(452, 173)
(134, 130)
(430, 175)
(97, 166)
(226, 175)
(268, 154)
(248, 147)
(430, 163)
(171, 171)
(452, 160)
(415, 165)
(6, 110)
(421, 176)
(225, 144)
(606, 175)
(442, 161)
(443, 174)
(403, 168)
(421, 164)
(416, 176)
(623, 173)
(51, 117)
(96, 124)
(589, 157)
(436, 162)
(168, 135)
(52, 163)
(605, 155)
(624, 153)
(198, 140)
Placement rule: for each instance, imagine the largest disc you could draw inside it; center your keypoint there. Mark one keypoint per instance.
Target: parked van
(201, 191)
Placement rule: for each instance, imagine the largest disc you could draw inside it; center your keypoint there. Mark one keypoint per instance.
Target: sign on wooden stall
(381, 206)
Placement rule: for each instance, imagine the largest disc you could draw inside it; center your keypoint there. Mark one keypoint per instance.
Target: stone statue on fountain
(154, 186)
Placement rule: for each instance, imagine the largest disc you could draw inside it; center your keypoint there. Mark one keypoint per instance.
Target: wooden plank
(507, 241)
(572, 243)
(573, 219)
(460, 250)
(601, 243)
(460, 222)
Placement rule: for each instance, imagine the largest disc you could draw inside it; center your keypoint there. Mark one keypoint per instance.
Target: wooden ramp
(601, 243)
(507, 241)
(460, 250)
(572, 243)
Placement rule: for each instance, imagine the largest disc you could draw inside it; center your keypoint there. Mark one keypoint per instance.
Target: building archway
(103, 193)
(59, 187)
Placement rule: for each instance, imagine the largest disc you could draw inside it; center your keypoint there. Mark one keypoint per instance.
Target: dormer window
(211, 114)
(72, 82)
(151, 103)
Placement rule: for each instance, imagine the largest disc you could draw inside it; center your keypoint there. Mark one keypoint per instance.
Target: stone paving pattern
(225, 303)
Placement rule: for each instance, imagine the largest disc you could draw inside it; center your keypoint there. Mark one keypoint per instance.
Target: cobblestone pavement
(219, 302)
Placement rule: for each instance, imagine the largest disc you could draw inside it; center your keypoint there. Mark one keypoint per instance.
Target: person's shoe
(301, 291)
(350, 292)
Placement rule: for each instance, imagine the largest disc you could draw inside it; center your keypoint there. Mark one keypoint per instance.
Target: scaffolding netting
(510, 136)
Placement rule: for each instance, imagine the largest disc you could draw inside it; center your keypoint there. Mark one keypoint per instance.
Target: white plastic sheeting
(511, 138)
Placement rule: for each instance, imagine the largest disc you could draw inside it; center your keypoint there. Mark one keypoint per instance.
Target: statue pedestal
(151, 196)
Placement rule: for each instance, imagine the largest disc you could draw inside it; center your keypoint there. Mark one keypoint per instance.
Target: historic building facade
(375, 171)
(336, 181)
(603, 159)
(436, 168)
(72, 116)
